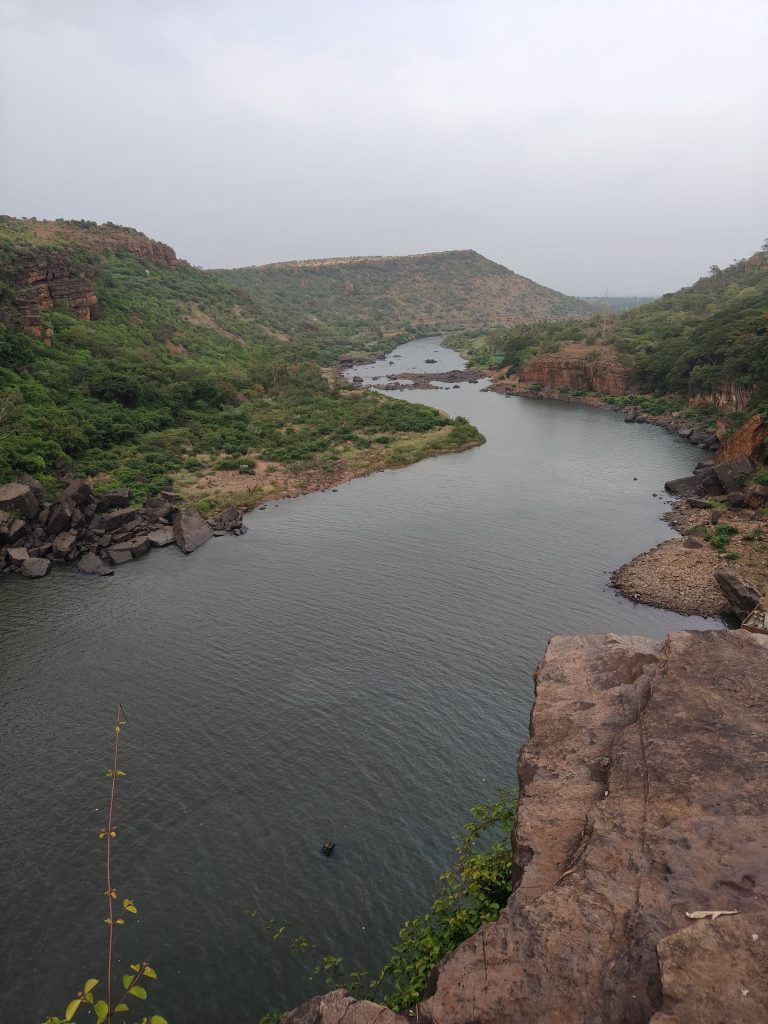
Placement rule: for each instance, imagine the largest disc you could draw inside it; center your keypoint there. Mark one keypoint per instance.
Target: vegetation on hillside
(707, 340)
(372, 299)
(176, 370)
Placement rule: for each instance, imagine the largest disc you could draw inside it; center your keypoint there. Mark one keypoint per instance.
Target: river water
(357, 668)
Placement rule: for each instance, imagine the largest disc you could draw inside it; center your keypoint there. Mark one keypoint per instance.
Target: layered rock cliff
(643, 814)
(579, 372)
(53, 267)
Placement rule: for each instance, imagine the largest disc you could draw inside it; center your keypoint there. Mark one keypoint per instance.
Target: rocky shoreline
(641, 848)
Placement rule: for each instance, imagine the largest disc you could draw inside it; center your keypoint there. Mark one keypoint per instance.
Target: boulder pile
(96, 532)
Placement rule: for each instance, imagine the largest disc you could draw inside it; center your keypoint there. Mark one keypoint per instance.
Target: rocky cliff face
(604, 375)
(55, 269)
(643, 808)
(749, 440)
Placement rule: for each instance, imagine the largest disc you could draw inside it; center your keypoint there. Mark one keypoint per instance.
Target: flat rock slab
(136, 546)
(161, 538)
(190, 530)
(340, 1006)
(35, 568)
(112, 521)
(119, 556)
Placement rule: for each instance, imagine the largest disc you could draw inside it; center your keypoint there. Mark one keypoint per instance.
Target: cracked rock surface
(642, 797)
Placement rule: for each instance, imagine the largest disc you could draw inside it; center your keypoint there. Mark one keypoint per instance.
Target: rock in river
(190, 530)
(35, 568)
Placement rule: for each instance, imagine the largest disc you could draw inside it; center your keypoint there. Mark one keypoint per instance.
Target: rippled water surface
(356, 668)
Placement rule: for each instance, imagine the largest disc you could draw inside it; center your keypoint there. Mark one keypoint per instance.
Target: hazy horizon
(589, 146)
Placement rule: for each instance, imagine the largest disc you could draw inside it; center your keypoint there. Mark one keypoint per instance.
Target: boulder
(741, 596)
(35, 568)
(136, 545)
(704, 438)
(698, 503)
(161, 538)
(59, 517)
(65, 544)
(736, 499)
(749, 440)
(171, 497)
(92, 565)
(79, 492)
(112, 521)
(119, 498)
(230, 518)
(17, 556)
(757, 495)
(16, 529)
(33, 483)
(705, 482)
(190, 530)
(20, 498)
(691, 542)
(119, 557)
(734, 474)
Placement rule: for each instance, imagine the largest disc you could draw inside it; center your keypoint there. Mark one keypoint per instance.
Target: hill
(378, 296)
(706, 343)
(121, 362)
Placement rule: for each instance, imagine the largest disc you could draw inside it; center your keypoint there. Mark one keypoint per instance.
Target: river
(356, 668)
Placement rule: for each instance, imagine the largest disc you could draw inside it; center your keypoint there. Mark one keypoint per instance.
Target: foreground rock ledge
(643, 798)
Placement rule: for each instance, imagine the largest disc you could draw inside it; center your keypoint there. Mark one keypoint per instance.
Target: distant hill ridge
(446, 290)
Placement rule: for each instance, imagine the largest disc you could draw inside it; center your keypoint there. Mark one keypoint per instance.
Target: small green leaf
(90, 985)
(71, 1009)
(149, 972)
(139, 992)
(157, 1019)
(122, 1008)
(128, 980)
(101, 1010)
(135, 967)
(130, 906)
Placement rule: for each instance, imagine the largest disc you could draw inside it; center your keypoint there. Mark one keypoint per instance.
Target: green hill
(706, 343)
(368, 298)
(121, 362)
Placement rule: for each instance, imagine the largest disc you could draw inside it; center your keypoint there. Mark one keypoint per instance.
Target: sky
(593, 145)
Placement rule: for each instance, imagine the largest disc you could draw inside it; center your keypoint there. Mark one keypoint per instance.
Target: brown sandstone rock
(748, 441)
(190, 530)
(20, 497)
(604, 375)
(35, 568)
(741, 597)
(161, 538)
(136, 545)
(642, 798)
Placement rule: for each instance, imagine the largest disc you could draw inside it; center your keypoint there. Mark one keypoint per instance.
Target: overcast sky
(588, 144)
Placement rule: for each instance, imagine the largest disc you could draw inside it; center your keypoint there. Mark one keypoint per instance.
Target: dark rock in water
(161, 538)
(21, 498)
(741, 596)
(696, 486)
(92, 565)
(35, 568)
(230, 518)
(430, 360)
(120, 556)
(136, 545)
(328, 848)
(65, 544)
(190, 530)
(79, 492)
(112, 521)
(17, 556)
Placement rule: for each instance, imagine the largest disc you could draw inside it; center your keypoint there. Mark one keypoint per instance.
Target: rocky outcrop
(642, 810)
(579, 373)
(190, 530)
(96, 533)
(742, 597)
(748, 441)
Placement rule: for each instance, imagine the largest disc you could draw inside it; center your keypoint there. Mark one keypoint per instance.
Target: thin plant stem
(110, 891)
